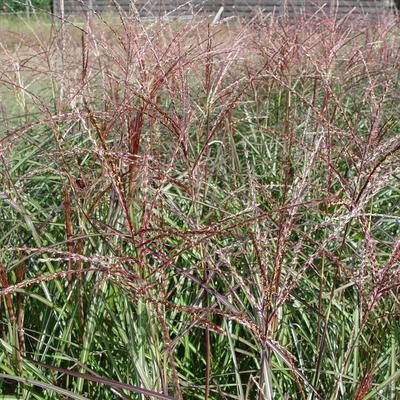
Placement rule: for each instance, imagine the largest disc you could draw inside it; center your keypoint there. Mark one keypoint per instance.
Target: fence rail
(153, 8)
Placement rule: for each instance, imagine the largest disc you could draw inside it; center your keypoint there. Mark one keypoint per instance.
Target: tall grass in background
(197, 211)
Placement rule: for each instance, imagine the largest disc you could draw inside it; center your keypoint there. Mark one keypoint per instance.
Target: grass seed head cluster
(196, 210)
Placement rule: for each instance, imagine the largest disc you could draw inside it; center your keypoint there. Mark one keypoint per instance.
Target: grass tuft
(195, 210)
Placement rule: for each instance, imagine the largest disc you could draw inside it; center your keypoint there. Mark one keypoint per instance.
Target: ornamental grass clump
(197, 210)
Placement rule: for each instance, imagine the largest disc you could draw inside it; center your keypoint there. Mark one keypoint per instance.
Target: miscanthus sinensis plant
(201, 211)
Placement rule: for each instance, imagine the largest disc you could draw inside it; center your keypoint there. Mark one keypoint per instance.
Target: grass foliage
(200, 211)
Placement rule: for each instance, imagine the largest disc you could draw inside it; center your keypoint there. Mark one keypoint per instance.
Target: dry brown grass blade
(108, 382)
